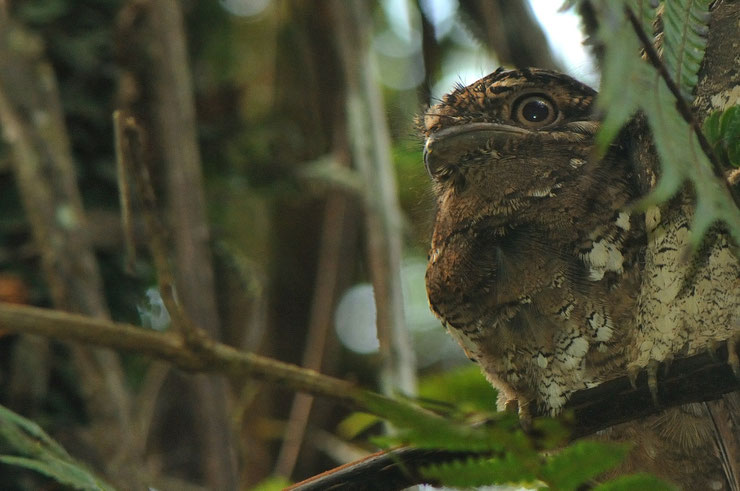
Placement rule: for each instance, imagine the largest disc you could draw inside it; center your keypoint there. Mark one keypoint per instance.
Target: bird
(549, 278)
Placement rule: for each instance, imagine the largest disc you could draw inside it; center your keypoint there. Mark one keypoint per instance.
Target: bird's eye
(534, 111)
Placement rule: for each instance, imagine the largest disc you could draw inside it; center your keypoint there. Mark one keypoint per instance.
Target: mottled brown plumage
(547, 281)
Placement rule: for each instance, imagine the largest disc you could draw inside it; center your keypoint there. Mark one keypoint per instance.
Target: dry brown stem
(371, 155)
(33, 125)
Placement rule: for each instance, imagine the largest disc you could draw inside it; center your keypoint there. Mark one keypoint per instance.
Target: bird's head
(511, 159)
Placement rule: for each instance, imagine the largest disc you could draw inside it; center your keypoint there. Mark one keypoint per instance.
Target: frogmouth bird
(541, 272)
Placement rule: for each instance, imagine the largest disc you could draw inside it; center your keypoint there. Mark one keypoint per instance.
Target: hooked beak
(450, 145)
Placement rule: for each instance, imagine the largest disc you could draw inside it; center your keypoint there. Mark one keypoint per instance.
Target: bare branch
(33, 124)
(371, 154)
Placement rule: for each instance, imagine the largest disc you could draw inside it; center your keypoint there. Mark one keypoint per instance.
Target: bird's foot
(522, 409)
(712, 348)
(651, 369)
(652, 379)
(632, 372)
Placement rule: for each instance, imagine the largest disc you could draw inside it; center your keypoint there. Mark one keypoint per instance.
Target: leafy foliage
(38, 452)
(722, 129)
(630, 84)
(499, 452)
(565, 470)
(462, 392)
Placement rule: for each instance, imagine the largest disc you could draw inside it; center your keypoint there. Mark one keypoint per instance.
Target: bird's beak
(450, 145)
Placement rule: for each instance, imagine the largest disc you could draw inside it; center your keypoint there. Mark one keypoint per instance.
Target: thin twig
(325, 293)
(124, 195)
(211, 357)
(130, 136)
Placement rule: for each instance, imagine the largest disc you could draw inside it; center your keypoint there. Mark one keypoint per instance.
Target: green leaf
(39, 452)
(43, 12)
(580, 462)
(480, 472)
(503, 434)
(274, 483)
(722, 129)
(63, 472)
(636, 482)
(711, 127)
(466, 387)
(553, 433)
(25, 435)
(356, 423)
(424, 429)
(682, 158)
(646, 13)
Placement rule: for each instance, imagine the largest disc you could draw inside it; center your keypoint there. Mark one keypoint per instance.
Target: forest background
(279, 141)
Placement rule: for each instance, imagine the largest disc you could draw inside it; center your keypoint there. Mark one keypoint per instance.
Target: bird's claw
(632, 373)
(651, 370)
(733, 346)
(667, 362)
(712, 348)
(652, 379)
(522, 409)
(511, 405)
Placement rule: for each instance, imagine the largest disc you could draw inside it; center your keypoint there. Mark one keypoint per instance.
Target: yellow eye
(534, 111)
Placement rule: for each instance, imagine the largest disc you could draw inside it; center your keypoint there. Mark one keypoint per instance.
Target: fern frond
(630, 84)
(568, 469)
(685, 28)
(479, 471)
(636, 481)
(581, 462)
(502, 434)
(646, 12)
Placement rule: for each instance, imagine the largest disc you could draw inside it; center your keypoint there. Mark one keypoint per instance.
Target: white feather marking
(604, 256)
(623, 221)
(576, 163)
(575, 352)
